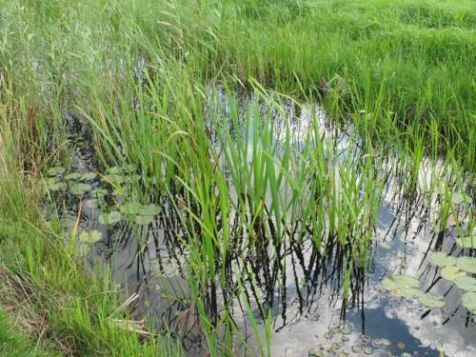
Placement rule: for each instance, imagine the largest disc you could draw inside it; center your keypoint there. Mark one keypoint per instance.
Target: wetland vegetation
(276, 177)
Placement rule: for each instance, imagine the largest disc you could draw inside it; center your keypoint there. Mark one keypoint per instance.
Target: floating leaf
(88, 176)
(400, 281)
(469, 302)
(467, 264)
(100, 192)
(90, 236)
(56, 171)
(432, 301)
(110, 218)
(115, 180)
(451, 273)
(402, 285)
(466, 283)
(130, 208)
(149, 210)
(79, 189)
(144, 220)
(409, 292)
(74, 176)
(468, 242)
(54, 186)
(442, 259)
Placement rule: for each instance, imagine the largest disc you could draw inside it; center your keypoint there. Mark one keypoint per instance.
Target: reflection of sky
(410, 322)
(407, 241)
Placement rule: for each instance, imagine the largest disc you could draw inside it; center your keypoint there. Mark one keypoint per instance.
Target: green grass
(143, 73)
(15, 343)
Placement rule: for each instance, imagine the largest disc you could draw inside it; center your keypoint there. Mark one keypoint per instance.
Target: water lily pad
(130, 208)
(90, 236)
(452, 273)
(397, 282)
(144, 220)
(409, 292)
(79, 189)
(467, 264)
(74, 176)
(469, 302)
(110, 218)
(114, 179)
(88, 176)
(56, 171)
(442, 259)
(466, 283)
(468, 242)
(149, 210)
(100, 192)
(55, 186)
(432, 301)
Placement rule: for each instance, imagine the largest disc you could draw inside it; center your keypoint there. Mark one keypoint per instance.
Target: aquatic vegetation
(467, 242)
(90, 237)
(442, 260)
(468, 264)
(110, 218)
(87, 176)
(254, 150)
(466, 283)
(52, 184)
(396, 282)
(451, 273)
(56, 171)
(431, 301)
(79, 189)
(409, 287)
(469, 301)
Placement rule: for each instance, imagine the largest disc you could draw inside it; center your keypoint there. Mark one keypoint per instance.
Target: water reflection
(323, 298)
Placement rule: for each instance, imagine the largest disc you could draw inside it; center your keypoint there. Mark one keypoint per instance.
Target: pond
(351, 275)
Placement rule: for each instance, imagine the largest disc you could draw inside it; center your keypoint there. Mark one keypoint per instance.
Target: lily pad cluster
(456, 271)
(115, 179)
(90, 237)
(76, 183)
(409, 287)
(142, 214)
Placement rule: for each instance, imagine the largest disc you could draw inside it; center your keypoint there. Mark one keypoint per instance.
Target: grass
(149, 77)
(15, 343)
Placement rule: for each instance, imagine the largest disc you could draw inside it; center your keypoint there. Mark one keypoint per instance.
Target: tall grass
(249, 189)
